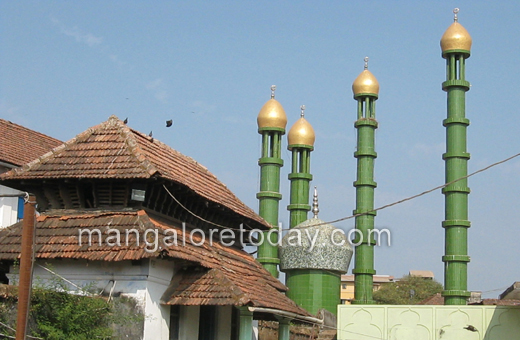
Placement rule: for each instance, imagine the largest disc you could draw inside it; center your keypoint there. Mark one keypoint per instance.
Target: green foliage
(4, 312)
(58, 315)
(400, 292)
(61, 316)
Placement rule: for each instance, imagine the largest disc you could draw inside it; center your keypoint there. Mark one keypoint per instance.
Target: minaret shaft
(269, 195)
(456, 158)
(300, 177)
(365, 185)
(309, 285)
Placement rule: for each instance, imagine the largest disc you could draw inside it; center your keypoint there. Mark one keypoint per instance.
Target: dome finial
(365, 83)
(456, 39)
(315, 209)
(301, 133)
(272, 114)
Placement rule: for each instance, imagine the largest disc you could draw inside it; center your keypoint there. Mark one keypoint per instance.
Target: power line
(422, 193)
(366, 212)
(195, 215)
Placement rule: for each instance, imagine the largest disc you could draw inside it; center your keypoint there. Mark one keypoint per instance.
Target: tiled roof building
(112, 154)
(18, 145)
(21, 145)
(123, 207)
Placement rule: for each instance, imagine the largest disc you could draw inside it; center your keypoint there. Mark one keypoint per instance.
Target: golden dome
(456, 37)
(365, 83)
(272, 114)
(301, 133)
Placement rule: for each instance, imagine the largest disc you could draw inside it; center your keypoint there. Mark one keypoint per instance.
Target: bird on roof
(125, 121)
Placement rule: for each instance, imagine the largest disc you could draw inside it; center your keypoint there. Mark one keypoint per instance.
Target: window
(207, 323)
(235, 323)
(20, 208)
(174, 322)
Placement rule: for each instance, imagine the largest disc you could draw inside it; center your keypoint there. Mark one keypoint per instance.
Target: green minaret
(312, 271)
(456, 45)
(271, 125)
(301, 142)
(366, 90)
(301, 139)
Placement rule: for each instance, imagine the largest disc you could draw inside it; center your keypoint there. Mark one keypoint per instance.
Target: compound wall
(372, 322)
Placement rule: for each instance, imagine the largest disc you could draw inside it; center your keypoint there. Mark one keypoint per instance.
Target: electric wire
(345, 331)
(495, 290)
(366, 212)
(422, 193)
(195, 215)
(14, 330)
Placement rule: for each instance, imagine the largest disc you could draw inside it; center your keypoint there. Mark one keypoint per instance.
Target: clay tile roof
(196, 286)
(497, 302)
(436, 299)
(113, 150)
(227, 275)
(21, 145)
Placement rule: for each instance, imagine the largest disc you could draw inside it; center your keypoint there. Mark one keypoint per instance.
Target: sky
(209, 65)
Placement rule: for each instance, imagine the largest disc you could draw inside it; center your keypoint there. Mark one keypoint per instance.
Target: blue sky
(66, 66)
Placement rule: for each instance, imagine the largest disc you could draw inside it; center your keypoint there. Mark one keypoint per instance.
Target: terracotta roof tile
(498, 302)
(21, 145)
(113, 150)
(436, 299)
(227, 275)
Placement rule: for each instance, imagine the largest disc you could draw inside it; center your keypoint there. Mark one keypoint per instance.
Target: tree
(407, 291)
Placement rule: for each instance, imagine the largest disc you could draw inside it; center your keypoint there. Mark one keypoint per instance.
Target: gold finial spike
(366, 63)
(455, 15)
(302, 114)
(315, 209)
(273, 88)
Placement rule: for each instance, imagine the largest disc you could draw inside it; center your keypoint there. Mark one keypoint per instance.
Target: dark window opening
(207, 322)
(174, 322)
(235, 324)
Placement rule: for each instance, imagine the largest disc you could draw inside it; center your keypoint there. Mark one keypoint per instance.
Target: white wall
(128, 279)
(401, 322)
(189, 323)
(8, 207)
(146, 281)
(157, 316)
(224, 314)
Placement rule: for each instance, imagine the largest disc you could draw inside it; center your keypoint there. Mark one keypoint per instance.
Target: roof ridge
(239, 293)
(133, 145)
(113, 121)
(189, 158)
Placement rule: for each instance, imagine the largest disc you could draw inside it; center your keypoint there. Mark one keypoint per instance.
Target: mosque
(313, 276)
